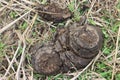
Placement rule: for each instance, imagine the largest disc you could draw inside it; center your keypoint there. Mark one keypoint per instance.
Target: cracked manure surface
(71, 48)
(52, 12)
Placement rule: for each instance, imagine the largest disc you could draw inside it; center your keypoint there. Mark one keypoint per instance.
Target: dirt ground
(25, 23)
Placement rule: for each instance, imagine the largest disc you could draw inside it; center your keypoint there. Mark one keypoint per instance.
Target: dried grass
(18, 41)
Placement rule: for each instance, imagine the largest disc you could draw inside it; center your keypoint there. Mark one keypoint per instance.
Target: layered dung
(71, 48)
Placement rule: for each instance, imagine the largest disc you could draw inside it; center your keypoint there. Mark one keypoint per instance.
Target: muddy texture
(72, 48)
(52, 12)
(45, 60)
(85, 40)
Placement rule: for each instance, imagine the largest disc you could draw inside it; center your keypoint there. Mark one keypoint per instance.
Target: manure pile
(71, 47)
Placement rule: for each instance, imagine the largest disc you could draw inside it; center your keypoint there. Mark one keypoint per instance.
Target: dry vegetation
(21, 27)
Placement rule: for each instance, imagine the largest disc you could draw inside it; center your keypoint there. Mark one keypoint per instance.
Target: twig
(23, 70)
(29, 2)
(2, 8)
(21, 61)
(19, 44)
(21, 37)
(92, 4)
(97, 57)
(9, 25)
(27, 31)
(79, 73)
(24, 6)
(99, 76)
(9, 62)
(115, 56)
